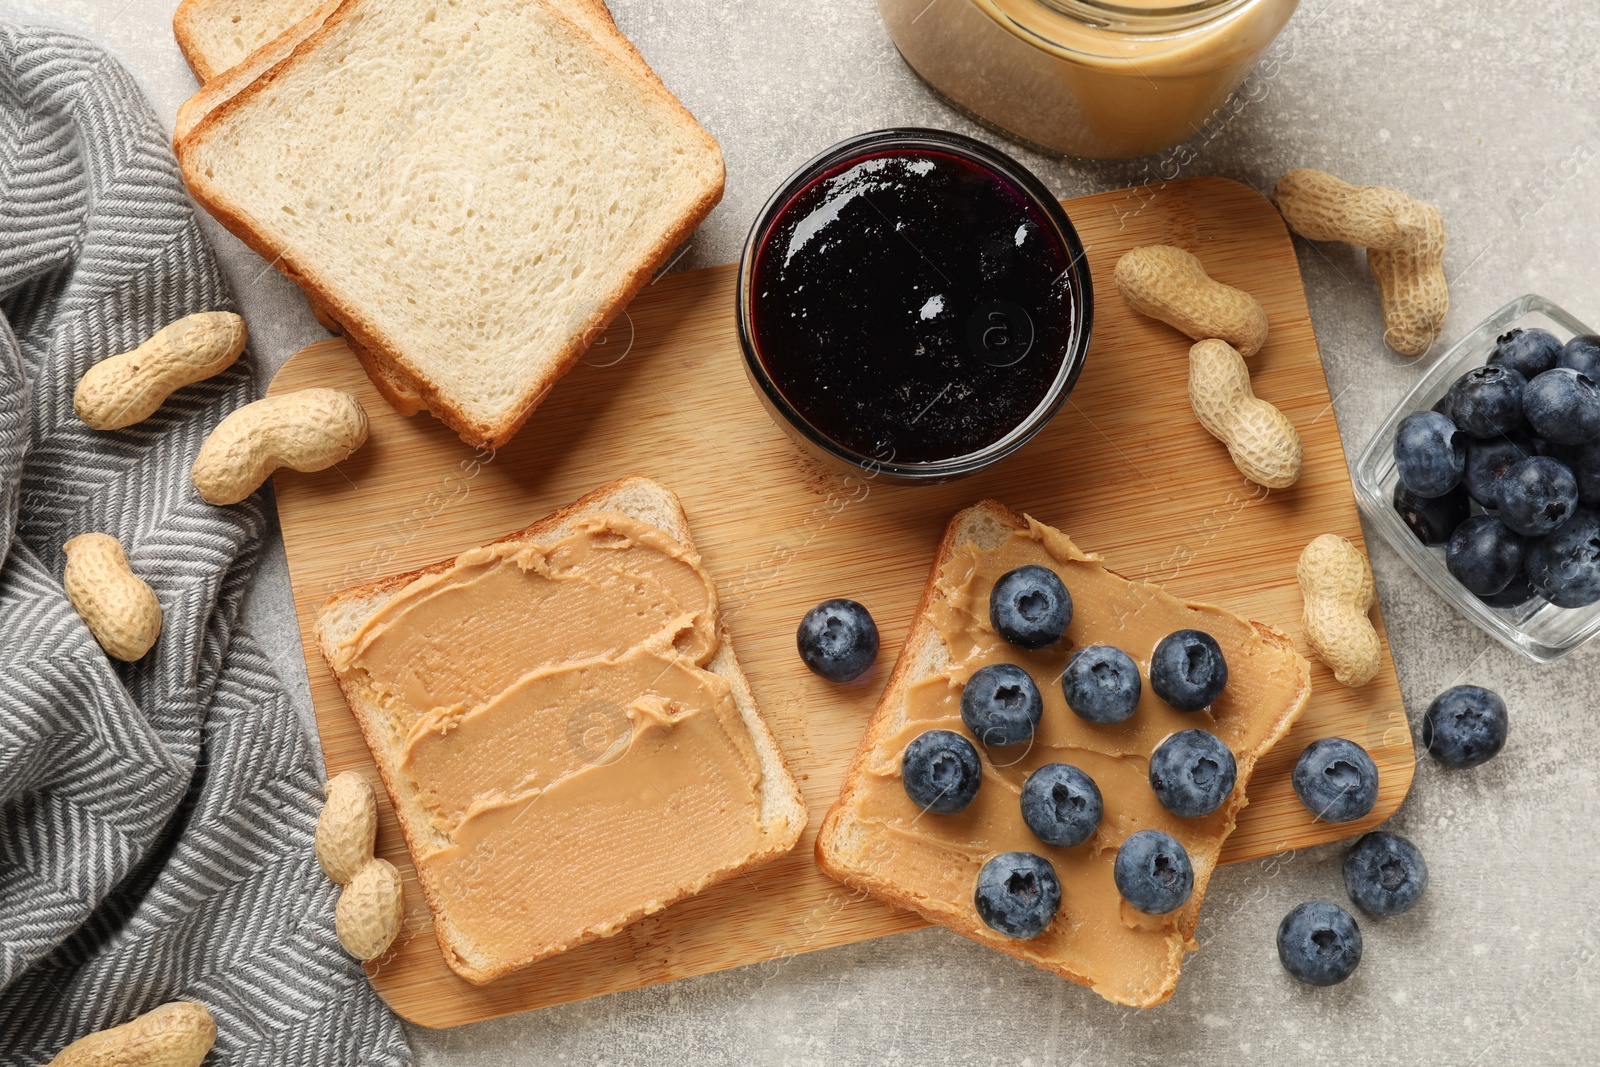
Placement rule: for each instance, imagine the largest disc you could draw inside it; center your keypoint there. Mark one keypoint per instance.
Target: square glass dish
(1540, 631)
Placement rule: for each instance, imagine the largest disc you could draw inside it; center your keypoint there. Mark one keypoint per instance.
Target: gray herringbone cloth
(155, 818)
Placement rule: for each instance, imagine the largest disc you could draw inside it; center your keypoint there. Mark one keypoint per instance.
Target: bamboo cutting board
(1123, 468)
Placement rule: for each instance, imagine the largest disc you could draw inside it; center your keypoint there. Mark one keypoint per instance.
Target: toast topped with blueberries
(1005, 786)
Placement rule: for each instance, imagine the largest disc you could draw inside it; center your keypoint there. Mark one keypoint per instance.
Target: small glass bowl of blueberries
(1486, 478)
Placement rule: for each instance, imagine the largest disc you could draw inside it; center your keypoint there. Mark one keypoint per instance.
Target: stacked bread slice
(468, 190)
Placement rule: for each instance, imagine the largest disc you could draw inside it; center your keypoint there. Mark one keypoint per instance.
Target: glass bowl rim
(1376, 506)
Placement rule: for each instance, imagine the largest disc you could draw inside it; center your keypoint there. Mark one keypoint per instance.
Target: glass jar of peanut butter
(1088, 78)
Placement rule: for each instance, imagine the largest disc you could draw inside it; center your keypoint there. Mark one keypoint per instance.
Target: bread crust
(456, 953)
(363, 330)
(393, 384)
(193, 54)
(205, 70)
(956, 915)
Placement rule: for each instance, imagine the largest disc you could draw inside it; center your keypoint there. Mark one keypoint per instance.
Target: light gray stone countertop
(1491, 111)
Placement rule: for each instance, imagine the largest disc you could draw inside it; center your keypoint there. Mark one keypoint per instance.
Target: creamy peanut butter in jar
(1086, 78)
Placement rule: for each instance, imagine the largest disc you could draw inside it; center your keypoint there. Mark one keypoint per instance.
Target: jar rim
(1141, 16)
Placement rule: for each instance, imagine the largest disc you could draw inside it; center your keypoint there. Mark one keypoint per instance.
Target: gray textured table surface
(1490, 110)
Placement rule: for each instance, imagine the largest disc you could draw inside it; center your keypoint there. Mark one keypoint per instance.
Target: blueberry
(1192, 772)
(838, 640)
(1018, 894)
(1563, 406)
(1336, 780)
(1465, 726)
(1487, 401)
(1528, 352)
(1153, 872)
(1483, 555)
(1584, 463)
(1319, 943)
(1429, 454)
(1564, 566)
(1001, 705)
(1101, 684)
(1582, 354)
(1384, 873)
(1514, 595)
(1061, 805)
(941, 772)
(1030, 607)
(1536, 495)
(1187, 670)
(1442, 406)
(1489, 459)
(1432, 519)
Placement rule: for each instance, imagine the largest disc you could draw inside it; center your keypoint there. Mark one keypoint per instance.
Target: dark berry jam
(912, 305)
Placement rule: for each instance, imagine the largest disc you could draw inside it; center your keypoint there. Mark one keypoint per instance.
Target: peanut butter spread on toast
(934, 859)
(579, 764)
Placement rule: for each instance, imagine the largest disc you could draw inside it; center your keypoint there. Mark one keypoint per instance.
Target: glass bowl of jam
(914, 304)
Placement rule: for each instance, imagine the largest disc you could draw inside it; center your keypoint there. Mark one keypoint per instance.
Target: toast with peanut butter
(563, 729)
(876, 838)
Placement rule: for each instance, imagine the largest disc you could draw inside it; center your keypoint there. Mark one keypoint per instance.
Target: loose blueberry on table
(1465, 726)
(1319, 943)
(1030, 607)
(1153, 872)
(1061, 805)
(1564, 566)
(1001, 705)
(1192, 772)
(838, 640)
(1487, 401)
(1384, 873)
(1102, 684)
(1336, 780)
(1536, 495)
(1429, 454)
(1187, 670)
(1528, 352)
(1017, 894)
(1562, 406)
(1433, 519)
(941, 772)
(1483, 555)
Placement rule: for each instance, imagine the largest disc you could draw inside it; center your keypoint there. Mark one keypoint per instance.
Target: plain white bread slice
(216, 35)
(783, 809)
(225, 84)
(471, 189)
(301, 18)
(199, 23)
